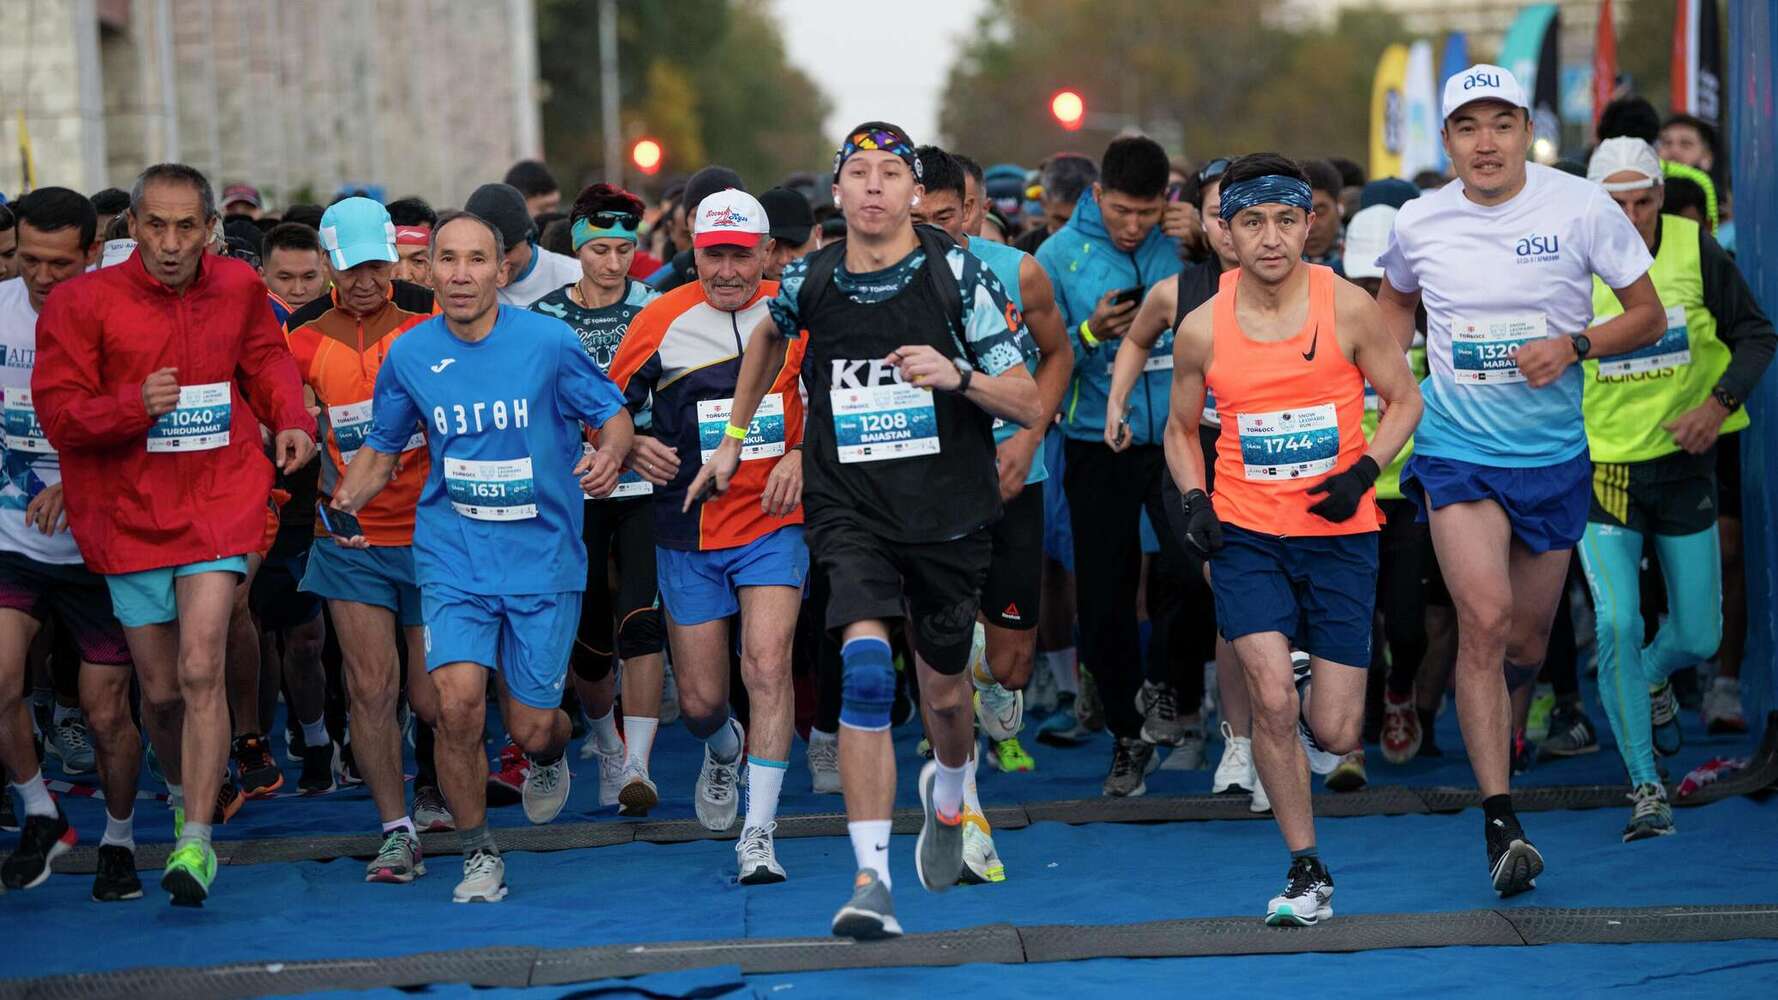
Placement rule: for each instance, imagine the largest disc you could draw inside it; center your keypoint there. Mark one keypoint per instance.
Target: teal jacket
(1083, 265)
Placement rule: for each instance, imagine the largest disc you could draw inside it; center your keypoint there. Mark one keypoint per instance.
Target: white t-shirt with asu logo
(28, 465)
(1493, 278)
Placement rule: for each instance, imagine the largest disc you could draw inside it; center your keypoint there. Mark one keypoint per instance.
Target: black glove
(1203, 532)
(1345, 490)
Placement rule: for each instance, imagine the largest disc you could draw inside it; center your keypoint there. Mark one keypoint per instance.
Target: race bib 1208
(878, 422)
(1288, 444)
(491, 491)
(198, 423)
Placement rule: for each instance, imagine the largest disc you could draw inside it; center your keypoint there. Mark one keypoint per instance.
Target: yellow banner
(1388, 121)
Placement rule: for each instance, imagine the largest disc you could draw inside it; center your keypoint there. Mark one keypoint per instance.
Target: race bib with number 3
(765, 434)
(1484, 351)
(883, 421)
(198, 423)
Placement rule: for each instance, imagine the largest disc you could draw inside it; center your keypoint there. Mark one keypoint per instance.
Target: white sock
(120, 832)
(764, 779)
(1063, 668)
(870, 846)
(175, 796)
(639, 733)
(947, 789)
(64, 713)
(725, 743)
(199, 832)
(404, 823)
(971, 799)
(34, 794)
(315, 733)
(605, 733)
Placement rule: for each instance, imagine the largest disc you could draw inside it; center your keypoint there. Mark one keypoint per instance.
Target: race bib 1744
(878, 422)
(491, 491)
(1672, 350)
(765, 434)
(351, 425)
(1484, 351)
(1288, 444)
(23, 432)
(198, 423)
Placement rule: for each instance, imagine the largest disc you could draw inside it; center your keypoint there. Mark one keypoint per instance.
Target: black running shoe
(45, 839)
(259, 772)
(229, 800)
(1512, 862)
(348, 767)
(116, 880)
(318, 767)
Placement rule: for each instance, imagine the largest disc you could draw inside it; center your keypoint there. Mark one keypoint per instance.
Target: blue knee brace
(867, 690)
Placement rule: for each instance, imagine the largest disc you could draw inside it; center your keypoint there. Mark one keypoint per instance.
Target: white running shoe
(638, 794)
(824, 762)
(757, 861)
(484, 879)
(669, 695)
(1260, 803)
(981, 863)
(1307, 898)
(1235, 771)
(611, 770)
(546, 790)
(717, 799)
(1000, 712)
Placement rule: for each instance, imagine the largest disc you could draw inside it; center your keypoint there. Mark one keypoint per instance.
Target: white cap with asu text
(1483, 82)
(729, 217)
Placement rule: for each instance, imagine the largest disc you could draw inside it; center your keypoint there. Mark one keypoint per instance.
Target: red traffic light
(1068, 107)
(646, 154)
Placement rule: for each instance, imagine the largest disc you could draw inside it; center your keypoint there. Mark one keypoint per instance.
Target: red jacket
(102, 334)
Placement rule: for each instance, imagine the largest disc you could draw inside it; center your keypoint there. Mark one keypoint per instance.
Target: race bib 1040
(491, 491)
(765, 433)
(878, 422)
(351, 425)
(1288, 444)
(198, 423)
(23, 432)
(1672, 350)
(1484, 350)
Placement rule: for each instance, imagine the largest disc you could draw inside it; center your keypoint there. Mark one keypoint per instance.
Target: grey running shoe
(757, 861)
(1189, 754)
(1089, 707)
(938, 854)
(1663, 712)
(1131, 760)
(70, 741)
(1650, 815)
(824, 762)
(546, 790)
(399, 862)
(1161, 721)
(716, 799)
(431, 815)
(484, 879)
(870, 914)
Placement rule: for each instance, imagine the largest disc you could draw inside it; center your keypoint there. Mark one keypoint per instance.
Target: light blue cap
(357, 230)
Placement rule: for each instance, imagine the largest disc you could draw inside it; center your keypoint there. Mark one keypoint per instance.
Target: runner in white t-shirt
(1504, 259)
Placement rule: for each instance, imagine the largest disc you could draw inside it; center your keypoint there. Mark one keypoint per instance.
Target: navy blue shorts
(1546, 505)
(1318, 590)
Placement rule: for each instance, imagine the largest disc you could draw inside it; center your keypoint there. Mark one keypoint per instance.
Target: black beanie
(504, 206)
(707, 182)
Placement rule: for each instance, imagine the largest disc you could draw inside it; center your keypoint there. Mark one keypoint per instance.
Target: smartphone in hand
(1127, 295)
(337, 522)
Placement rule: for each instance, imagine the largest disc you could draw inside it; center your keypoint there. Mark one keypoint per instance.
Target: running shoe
(70, 741)
(1663, 713)
(293, 744)
(1349, 776)
(431, 814)
(45, 839)
(1234, 773)
(178, 822)
(938, 853)
(1513, 863)
(716, 799)
(1189, 754)
(1650, 815)
(870, 914)
(229, 799)
(1009, 756)
(924, 748)
(484, 879)
(398, 862)
(824, 762)
(9, 820)
(506, 781)
(981, 863)
(1537, 719)
(349, 773)
(152, 762)
(1063, 728)
(1162, 724)
(1261, 802)
(1041, 693)
(1321, 761)
(319, 766)
(1000, 712)
(1571, 733)
(1089, 707)
(116, 879)
(757, 861)
(669, 695)
(638, 794)
(259, 772)
(1401, 728)
(1130, 764)
(611, 770)
(191, 869)
(1307, 898)
(1522, 755)
(546, 789)
(1722, 707)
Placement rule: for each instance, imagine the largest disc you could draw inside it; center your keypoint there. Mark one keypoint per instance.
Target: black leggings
(1402, 551)
(624, 528)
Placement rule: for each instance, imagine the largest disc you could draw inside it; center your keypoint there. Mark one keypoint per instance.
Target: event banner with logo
(1387, 112)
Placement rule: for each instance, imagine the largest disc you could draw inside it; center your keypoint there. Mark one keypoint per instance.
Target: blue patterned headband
(1270, 189)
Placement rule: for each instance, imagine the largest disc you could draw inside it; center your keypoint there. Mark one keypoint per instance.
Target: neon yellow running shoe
(190, 870)
(178, 823)
(980, 862)
(1009, 756)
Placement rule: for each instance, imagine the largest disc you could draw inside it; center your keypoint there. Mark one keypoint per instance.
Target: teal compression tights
(1691, 569)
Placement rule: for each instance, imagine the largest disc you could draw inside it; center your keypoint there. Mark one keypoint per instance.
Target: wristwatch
(1726, 398)
(964, 372)
(1583, 345)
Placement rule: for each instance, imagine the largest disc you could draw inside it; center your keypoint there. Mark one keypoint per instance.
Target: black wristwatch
(965, 371)
(1726, 398)
(1583, 345)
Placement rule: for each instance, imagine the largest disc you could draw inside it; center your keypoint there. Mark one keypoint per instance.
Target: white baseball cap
(1625, 154)
(1367, 236)
(1483, 82)
(732, 217)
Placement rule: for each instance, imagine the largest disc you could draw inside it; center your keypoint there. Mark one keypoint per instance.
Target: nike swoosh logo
(1309, 355)
(442, 365)
(882, 847)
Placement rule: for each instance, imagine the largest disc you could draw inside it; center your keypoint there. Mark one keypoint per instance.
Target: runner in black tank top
(913, 350)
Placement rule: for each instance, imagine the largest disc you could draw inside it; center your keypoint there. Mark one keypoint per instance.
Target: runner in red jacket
(152, 379)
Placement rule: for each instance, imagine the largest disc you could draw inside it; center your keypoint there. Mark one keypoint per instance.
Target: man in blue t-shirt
(502, 394)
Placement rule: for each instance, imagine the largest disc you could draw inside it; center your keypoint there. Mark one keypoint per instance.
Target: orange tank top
(1292, 414)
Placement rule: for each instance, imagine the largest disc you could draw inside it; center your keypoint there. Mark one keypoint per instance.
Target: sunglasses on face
(615, 220)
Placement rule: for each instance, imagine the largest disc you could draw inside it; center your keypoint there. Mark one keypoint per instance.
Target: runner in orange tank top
(1290, 537)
